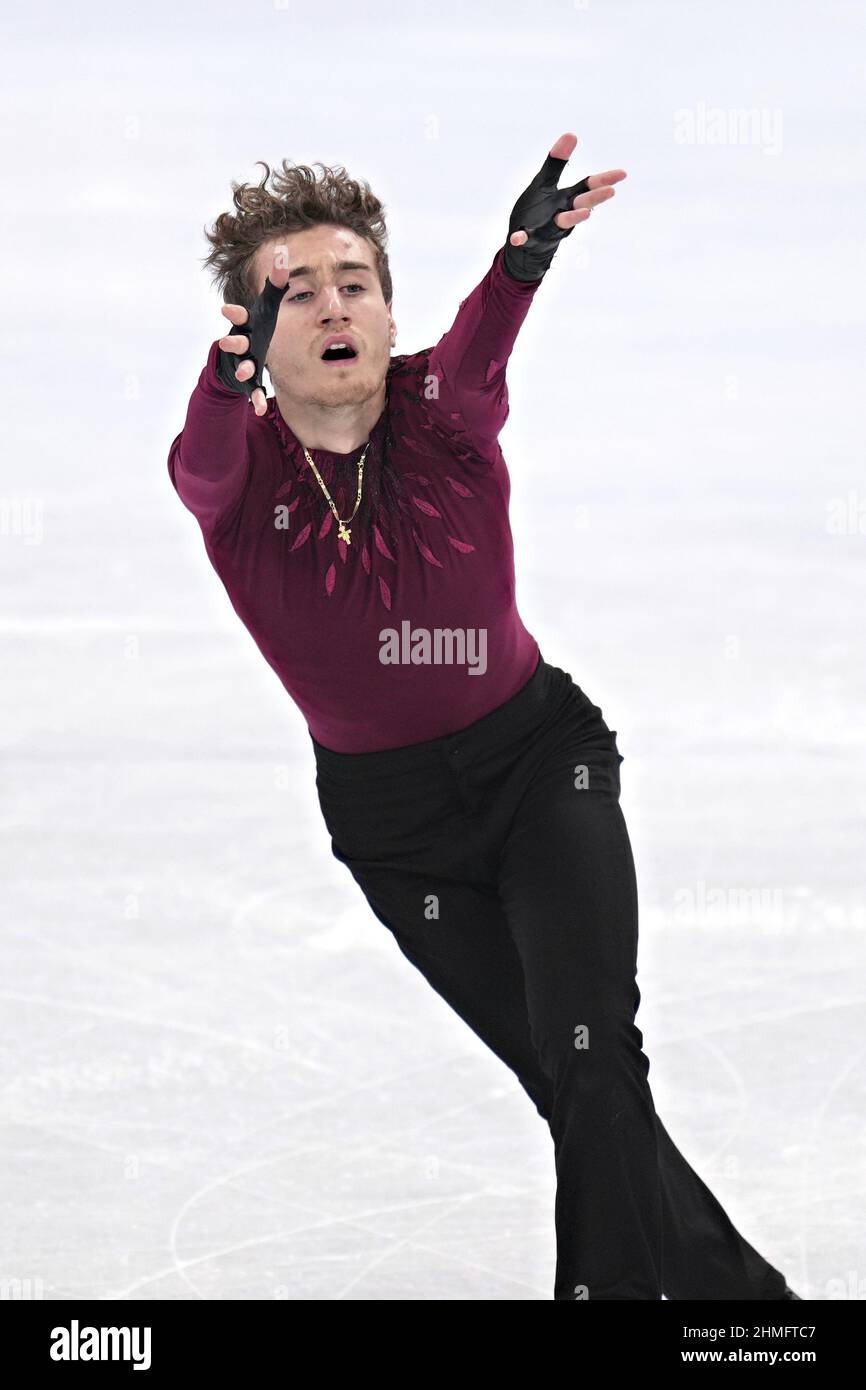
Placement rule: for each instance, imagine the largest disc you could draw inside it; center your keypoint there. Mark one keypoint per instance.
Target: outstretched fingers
(563, 148)
(597, 188)
(608, 177)
(246, 370)
(583, 205)
(235, 342)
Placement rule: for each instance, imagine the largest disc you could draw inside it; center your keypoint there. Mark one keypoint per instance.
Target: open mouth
(340, 352)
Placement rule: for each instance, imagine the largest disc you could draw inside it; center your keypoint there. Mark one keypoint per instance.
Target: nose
(332, 305)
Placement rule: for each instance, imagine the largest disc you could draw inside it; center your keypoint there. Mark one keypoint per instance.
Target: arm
(467, 393)
(208, 462)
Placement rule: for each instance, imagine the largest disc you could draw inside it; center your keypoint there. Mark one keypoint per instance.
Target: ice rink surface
(221, 1079)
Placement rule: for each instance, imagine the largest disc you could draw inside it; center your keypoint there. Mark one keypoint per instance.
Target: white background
(220, 1077)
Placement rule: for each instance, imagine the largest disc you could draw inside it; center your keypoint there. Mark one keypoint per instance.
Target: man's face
(322, 303)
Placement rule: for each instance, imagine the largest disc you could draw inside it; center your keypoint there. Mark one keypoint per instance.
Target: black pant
(499, 858)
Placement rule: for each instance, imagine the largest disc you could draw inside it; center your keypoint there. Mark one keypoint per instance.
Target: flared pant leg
(500, 861)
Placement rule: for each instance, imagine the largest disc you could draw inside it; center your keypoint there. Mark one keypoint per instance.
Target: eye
(295, 297)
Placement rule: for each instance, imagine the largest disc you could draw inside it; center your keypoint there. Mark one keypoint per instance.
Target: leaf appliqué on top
(381, 545)
(460, 488)
(426, 551)
(302, 536)
(426, 507)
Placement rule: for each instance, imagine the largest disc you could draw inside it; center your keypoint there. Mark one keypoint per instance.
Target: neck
(337, 428)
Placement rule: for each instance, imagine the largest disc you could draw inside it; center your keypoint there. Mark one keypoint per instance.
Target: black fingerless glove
(259, 329)
(534, 212)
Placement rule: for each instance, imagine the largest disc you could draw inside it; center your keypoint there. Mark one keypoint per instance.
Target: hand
(252, 346)
(544, 214)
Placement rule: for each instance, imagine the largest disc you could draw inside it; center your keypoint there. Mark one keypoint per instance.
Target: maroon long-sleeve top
(366, 636)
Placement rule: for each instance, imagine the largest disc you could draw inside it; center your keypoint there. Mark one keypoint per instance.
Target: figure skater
(359, 521)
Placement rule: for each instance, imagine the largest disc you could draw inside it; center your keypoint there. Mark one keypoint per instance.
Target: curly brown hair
(297, 199)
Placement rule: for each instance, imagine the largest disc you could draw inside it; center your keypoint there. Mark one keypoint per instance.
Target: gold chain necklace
(343, 526)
